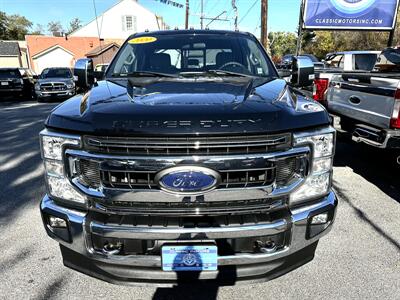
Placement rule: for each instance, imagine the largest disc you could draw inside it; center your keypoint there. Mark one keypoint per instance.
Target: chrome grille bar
(187, 145)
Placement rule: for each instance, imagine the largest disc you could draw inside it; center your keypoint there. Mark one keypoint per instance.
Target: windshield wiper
(214, 72)
(227, 73)
(143, 74)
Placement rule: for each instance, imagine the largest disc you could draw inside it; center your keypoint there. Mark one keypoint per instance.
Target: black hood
(188, 107)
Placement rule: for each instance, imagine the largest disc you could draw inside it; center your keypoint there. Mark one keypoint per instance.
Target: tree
(3, 25)
(322, 43)
(54, 27)
(17, 27)
(39, 30)
(74, 24)
(282, 43)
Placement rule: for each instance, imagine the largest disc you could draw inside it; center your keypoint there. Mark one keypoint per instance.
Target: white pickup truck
(341, 62)
(368, 103)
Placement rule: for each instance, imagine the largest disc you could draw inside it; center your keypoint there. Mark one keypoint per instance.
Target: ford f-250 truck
(368, 103)
(190, 161)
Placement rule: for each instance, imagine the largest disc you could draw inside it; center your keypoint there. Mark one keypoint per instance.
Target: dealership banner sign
(350, 14)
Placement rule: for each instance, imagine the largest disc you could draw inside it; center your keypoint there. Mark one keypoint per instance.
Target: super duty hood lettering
(182, 123)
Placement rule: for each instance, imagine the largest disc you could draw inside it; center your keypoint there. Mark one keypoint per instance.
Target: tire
(347, 124)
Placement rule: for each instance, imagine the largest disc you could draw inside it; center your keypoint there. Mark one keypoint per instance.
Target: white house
(121, 20)
(53, 56)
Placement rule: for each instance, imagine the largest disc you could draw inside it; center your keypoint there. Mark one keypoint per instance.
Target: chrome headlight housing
(70, 85)
(58, 184)
(318, 183)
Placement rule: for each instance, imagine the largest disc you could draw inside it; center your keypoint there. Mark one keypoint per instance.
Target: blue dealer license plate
(189, 258)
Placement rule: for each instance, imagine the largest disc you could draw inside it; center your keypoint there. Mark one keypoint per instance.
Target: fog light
(320, 219)
(57, 222)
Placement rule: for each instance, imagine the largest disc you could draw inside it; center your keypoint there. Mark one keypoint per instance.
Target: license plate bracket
(189, 257)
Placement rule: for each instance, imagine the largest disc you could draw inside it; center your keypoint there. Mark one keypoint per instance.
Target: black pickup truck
(192, 160)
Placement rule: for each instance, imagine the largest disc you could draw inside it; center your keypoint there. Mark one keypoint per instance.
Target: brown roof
(100, 49)
(77, 46)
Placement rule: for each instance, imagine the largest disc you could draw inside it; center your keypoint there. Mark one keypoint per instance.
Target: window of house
(129, 23)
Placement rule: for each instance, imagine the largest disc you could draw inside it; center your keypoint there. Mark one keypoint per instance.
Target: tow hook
(112, 249)
(267, 247)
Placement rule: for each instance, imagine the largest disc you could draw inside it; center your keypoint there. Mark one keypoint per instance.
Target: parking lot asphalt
(360, 258)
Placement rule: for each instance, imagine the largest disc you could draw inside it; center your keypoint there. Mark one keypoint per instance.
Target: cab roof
(190, 31)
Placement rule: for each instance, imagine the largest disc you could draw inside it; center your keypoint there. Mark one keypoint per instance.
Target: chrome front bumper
(79, 254)
(63, 93)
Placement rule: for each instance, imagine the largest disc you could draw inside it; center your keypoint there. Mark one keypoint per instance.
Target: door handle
(354, 100)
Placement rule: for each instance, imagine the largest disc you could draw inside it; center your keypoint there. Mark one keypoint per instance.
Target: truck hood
(187, 107)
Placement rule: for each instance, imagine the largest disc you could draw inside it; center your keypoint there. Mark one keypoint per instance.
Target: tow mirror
(302, 71)
(84, 73)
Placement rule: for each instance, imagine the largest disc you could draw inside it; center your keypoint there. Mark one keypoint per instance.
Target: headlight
(58, 185)
(37, 86)
(318, 183)
(52, 145)
(70, 85)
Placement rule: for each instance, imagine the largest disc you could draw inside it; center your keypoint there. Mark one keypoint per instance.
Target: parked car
(55, 83)
(16, 83)
(368, 103)
(169, 171)
(341, 62)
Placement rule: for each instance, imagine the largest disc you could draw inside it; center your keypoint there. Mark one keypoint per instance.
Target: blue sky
(283, 14)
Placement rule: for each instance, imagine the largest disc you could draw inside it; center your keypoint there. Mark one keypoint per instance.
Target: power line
(248, 11)
(98, 30)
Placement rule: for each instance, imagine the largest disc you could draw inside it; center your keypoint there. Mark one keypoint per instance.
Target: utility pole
(236, 13)
(300, 29)
(264, 23)
(202, 14)
(187, 15)
(212, 19)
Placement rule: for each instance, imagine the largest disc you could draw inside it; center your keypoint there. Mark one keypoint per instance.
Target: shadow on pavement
(378, 166)
(342, 196)
(21, 177)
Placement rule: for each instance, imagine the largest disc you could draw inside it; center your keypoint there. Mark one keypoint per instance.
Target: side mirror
(302, 71)
(84, 73)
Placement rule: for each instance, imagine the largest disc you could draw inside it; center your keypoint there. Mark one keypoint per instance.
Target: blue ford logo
(187, 179)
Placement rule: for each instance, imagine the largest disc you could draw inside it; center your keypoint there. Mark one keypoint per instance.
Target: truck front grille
(53, 87)
(93, 176)
(256, 173)
(174, 146)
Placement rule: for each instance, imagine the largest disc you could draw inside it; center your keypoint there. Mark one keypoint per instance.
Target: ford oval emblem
(187, 179)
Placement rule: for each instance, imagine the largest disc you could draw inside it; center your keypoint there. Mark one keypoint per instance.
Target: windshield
(182, 54)
(56, 73)
(10, 74)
